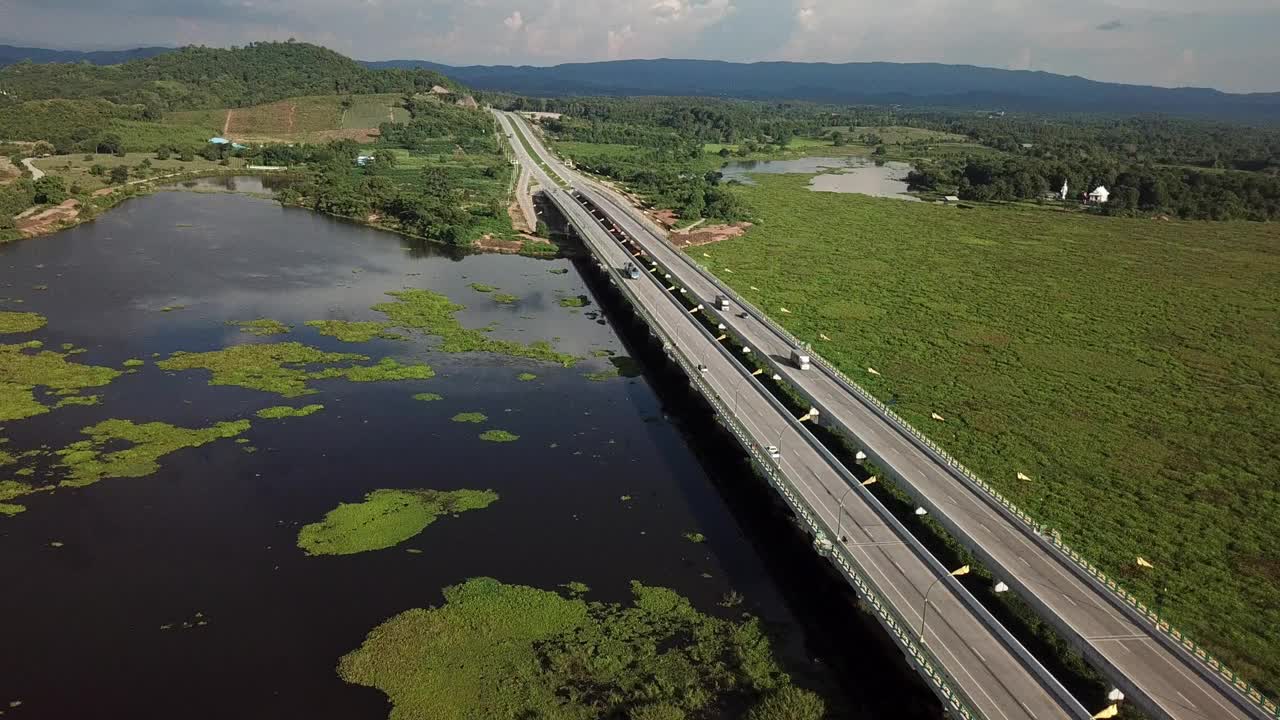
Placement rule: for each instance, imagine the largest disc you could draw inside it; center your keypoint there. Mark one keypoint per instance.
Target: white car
(773, 452)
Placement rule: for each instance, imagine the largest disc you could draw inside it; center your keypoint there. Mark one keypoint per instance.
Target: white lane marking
(1186, 700)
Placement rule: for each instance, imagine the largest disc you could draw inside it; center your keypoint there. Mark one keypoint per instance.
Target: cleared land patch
(1127, 366)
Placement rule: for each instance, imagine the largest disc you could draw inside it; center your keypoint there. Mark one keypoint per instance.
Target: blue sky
(1228, 44)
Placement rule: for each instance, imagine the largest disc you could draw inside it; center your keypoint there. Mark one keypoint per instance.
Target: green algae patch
(510, 651)
(695, 537)
(434, 313)
(79, 400)
(559, 271)
(577, 301)
(353, 331)
(482, 288)
(602, 376)
(88, 461)
(11, 509)
(22, 371)
(262, 327)
(428, 397)
(133, 363)
(272, 367)
(386, 518)
(387, 370)
(21, 322)
(498, 436)
(470, 417)
(284, 411)
(526, 377)
(505, 299)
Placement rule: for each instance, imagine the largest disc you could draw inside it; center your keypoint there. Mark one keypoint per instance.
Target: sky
(1228, 44)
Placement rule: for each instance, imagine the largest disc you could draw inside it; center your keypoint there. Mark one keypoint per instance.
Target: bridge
(975, 666)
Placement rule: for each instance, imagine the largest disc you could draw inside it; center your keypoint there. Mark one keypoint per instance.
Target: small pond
(839, 175)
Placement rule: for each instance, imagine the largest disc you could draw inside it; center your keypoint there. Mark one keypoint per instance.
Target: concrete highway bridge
(974, 665)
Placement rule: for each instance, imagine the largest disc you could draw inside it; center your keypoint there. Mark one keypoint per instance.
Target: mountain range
(872, 83)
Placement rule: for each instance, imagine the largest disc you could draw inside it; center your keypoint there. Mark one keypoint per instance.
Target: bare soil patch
(489, 243)
(48, 220)
(8, 172)
(709, 234)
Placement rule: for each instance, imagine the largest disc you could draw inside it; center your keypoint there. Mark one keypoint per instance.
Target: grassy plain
(74, 169)
(1128, 367)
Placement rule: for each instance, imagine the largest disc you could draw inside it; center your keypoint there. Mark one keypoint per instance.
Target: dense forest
(1195, 170)
(196, 78)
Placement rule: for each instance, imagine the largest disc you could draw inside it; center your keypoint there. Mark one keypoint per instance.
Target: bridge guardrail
(1198, 652)
(918, 654)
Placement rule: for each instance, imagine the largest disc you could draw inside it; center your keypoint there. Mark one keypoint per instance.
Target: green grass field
(295, 117)
(74, 169)
(370, 111)
(1129, 367)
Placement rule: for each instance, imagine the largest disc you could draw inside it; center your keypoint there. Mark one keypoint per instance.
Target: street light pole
(924, 610)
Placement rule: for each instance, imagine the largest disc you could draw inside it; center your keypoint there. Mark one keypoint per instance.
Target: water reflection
(879, 178)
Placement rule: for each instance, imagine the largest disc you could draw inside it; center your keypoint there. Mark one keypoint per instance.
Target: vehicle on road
(800, 360)
(632, 271)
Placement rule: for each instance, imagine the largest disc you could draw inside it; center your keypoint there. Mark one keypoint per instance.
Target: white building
(1099, 196)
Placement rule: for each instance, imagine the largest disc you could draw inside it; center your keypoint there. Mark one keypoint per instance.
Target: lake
(840, 175)
(182, 592)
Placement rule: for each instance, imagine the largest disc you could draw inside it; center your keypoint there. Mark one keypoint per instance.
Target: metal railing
(1238, 682)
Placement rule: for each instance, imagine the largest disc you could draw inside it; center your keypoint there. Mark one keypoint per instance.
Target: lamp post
(962, 570)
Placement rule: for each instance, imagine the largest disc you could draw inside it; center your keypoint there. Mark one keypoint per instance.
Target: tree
(789, 703)
(881, 151)
(119, 175)
(50, 190)
(162, 153)
(98, 170)
(837, 139)
(110, 144)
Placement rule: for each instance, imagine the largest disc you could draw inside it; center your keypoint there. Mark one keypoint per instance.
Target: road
(986, 666)
(1168, 683)
(36, 173)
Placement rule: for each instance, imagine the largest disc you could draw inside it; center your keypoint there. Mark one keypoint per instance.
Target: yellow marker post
(1144, 564)
(1110, 712)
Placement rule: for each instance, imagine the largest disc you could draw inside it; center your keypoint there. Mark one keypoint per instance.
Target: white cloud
(514, 21)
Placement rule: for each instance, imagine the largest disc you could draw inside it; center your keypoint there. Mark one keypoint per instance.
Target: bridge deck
(996, 680)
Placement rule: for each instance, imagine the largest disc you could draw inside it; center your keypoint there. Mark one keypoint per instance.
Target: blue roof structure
(219, 140)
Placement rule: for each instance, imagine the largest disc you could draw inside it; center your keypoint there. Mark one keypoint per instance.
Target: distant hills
(877, 83)
(10, 55)
(914, 84)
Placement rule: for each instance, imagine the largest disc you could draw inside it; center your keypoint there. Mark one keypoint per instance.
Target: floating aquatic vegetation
(526, 377)
(386, 518)
(261, 327)
(22, 371)
(498, 436)
(470, 417)
(428, 397)
(21, 322)
(79, 400)
(354, 331)
(88, 461)
(284, 411)
(577, 301)
(282, 368)
(496, 650)
(482, 288)
(133, 363)
(433, 314)
(505, 299)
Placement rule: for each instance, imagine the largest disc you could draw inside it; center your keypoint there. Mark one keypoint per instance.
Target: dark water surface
(213, 532)
(840, 175)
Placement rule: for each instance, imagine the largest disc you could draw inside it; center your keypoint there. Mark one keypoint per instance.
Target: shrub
(162, 153)
(119, 174)
(789, 703)
(50, 190)
(98, 170)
